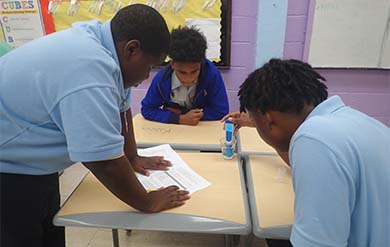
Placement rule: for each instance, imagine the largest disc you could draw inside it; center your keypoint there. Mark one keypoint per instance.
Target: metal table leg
(115, 237)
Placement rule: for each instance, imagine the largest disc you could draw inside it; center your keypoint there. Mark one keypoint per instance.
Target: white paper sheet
(179, 174)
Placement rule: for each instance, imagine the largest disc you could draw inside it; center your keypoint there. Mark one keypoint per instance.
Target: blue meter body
(228, 146)
(229, 129)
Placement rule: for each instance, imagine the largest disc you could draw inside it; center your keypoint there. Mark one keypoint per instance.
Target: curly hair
(187, 45)
(143, 23)
(282, 85)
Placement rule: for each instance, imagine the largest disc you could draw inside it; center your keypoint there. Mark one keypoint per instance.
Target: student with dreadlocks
(338, 155)
(190, 88)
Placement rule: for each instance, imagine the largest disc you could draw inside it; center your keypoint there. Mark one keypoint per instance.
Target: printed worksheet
(179, 174)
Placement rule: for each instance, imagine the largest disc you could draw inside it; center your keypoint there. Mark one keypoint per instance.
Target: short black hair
(282, 85)
(143, 23)
(187, 45)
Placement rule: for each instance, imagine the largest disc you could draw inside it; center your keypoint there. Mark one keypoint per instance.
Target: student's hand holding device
(142, 164)
(240, 119)
(167, 198)
(192, 117)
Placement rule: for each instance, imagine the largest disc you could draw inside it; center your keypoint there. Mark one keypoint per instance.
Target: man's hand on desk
(143, 164)
(167, 198)
(192, 117)
(117, 176)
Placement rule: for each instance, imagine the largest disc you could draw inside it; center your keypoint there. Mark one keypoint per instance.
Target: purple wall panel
(297, 7)
(234, 104)
(146, 83)
(376, 104)
(357, 81)
(293, 50)
(136, 97)
(242, 55)
(384, 120)
(243, 41)
(234, 77)
(244, 8)
(365, 90)
(244, 34)
(295, 28)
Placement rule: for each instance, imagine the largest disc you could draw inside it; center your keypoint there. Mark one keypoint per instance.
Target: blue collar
(108, 43)
(328, 106)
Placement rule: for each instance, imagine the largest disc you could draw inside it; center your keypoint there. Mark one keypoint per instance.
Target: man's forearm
(118, 176)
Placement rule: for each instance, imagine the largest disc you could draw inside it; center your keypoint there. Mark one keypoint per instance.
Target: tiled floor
(96, 237)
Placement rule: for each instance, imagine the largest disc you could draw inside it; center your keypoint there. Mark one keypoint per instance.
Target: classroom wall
(243, 42)
(365, 90)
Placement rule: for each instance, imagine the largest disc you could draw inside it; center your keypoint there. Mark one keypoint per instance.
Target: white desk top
(204, 136)
(271, 196)
(220, 208)
(251, 143)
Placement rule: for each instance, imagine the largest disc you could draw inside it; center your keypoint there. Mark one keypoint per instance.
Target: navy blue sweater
(210, 95)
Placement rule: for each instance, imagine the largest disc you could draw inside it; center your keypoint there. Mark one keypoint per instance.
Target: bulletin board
(348, 34)
(20, 21)
(24, 20)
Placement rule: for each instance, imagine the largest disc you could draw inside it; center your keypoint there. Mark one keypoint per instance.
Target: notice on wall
(20, 21)
(211, 29)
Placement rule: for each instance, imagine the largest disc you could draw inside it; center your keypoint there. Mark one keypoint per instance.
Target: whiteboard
(349, 34)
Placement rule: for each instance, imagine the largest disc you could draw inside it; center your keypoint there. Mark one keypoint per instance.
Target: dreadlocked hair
(282, 85)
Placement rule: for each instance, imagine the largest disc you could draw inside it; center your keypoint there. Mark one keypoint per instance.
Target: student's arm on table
(192, 117)
(118, 176)
(172, 109)
(151, 109)
(140, 164)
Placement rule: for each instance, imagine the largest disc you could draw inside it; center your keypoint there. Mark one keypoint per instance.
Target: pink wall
(365, 90)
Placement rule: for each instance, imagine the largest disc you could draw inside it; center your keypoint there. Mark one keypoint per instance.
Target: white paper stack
(179, 174)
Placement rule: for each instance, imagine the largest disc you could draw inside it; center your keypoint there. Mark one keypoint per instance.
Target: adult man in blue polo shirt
(338, 156)
(65, 98)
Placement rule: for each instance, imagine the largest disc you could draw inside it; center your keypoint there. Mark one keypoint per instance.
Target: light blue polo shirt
(60, 101)
(341, 175)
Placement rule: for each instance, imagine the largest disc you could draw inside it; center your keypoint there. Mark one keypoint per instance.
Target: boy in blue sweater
(190, 88)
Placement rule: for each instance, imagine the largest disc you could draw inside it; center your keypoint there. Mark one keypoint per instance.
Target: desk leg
(115, 237)
(232, 240)
(249, 240)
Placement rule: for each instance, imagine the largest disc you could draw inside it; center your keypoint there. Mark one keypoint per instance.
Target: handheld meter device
(228, 145)
(229, 129)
